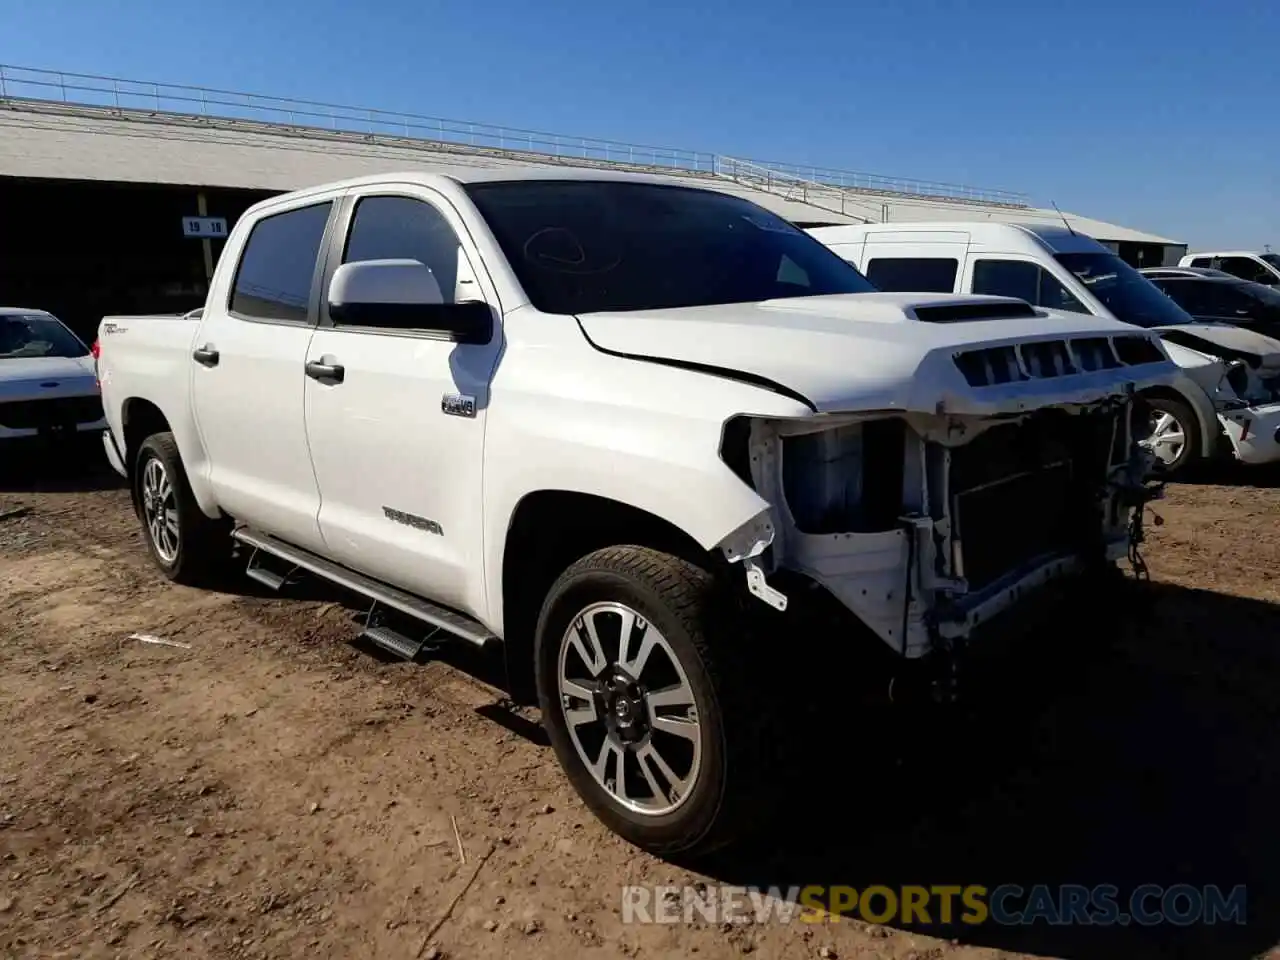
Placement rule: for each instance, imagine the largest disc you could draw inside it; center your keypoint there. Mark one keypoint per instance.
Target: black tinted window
(273, 281)
(1024, 280)
(588, 246)
(1247, 269)
(1202, 262)
(1234, 299)
(1191, 295)
(913, 274)
(395, 228)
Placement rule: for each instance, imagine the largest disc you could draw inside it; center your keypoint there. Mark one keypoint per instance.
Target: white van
(1261, 268)
(1229, 396)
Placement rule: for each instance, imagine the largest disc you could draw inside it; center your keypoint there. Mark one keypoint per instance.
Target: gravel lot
(271, 790)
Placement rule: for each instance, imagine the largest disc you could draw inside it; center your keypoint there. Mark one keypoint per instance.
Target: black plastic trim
(965, 312)
(751, 379)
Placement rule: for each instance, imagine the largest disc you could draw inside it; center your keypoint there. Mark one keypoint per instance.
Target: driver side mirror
(403, 295)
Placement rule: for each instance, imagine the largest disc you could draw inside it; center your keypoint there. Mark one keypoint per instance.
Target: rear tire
(654, 729)
(187, 546)
(1175, 435)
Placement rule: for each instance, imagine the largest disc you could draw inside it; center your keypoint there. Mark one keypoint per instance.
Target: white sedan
(48, 384)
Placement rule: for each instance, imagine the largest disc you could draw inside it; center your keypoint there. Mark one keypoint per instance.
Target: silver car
(48, 385)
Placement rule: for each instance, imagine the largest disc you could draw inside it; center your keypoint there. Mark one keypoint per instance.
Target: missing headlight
(847, 479)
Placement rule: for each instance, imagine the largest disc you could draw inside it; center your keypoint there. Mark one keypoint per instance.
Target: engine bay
(924, 527)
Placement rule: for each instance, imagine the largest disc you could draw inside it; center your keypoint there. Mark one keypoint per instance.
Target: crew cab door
(246, 373)
(395, 410)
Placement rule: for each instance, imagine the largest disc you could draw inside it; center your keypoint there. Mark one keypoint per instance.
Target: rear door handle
(206, 355)
(331, 372)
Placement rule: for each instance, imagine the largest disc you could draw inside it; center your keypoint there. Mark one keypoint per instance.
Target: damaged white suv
(606, 420)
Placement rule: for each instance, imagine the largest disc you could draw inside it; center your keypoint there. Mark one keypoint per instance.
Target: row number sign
(209, 228)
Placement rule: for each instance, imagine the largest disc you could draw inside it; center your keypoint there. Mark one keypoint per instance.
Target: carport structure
(115, 193)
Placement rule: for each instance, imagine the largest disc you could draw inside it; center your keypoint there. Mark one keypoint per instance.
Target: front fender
(641, 434)
(1206, 415)
(1197, 380)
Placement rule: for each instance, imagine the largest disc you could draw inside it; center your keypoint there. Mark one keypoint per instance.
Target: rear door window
(274, 279)
(913, 274)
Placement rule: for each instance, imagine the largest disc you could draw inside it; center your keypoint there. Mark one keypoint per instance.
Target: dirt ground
(269, 789)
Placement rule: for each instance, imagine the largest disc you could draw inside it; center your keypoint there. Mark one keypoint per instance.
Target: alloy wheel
(1168, 438)
(629, 709)
(160, 510)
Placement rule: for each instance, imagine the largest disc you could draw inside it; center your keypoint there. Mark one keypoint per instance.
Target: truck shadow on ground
(1145, 754)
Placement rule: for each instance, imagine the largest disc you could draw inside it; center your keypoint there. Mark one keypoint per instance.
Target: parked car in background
(1224, 299)
(1228, 397)
(617, 426)
(1261, 268)
(1169, 272)
(48, 388)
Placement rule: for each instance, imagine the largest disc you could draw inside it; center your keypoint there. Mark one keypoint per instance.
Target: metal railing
(791, 187)
(876, 184)
(82, 89)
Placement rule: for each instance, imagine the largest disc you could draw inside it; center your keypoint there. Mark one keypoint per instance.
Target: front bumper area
(1253, 432)
(51, 418)
(30, 433)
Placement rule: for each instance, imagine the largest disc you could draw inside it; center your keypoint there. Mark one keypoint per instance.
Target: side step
(393, 641)
(458, 624)
(264, 575)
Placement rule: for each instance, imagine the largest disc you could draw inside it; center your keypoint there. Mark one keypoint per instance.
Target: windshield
(1271, 258)
(590, 246)
(1130, 296)
(36, 335)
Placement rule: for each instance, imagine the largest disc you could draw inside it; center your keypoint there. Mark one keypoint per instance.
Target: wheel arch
(140, 418)
(548, 531)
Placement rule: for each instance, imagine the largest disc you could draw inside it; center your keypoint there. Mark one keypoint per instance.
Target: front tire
(186, 545)
(639, 701)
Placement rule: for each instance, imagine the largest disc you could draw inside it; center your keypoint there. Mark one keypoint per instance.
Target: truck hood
(29, 378)
(873, 351)
(1226, 341)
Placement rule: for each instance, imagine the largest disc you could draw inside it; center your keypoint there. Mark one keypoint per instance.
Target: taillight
(96, 350)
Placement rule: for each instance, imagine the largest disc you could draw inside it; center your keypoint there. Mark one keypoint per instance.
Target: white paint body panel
(858, 351)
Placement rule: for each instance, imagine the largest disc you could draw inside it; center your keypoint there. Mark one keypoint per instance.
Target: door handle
(333, 372)
(206, 355)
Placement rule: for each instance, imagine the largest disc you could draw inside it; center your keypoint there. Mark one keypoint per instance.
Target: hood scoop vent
(1045, 359)
(966, 312)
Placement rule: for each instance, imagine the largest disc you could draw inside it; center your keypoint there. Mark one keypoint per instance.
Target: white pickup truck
(613, 423)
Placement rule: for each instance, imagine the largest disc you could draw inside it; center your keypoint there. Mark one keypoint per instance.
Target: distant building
(116, 193)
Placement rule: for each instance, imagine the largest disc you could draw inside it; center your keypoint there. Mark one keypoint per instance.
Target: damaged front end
(1244, 388)
(925, 527)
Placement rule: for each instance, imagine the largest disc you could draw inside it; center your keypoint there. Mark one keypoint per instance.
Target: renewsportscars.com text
(1008, 904)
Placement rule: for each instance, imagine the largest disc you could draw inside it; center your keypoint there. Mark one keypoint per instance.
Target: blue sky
(1163, 116)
